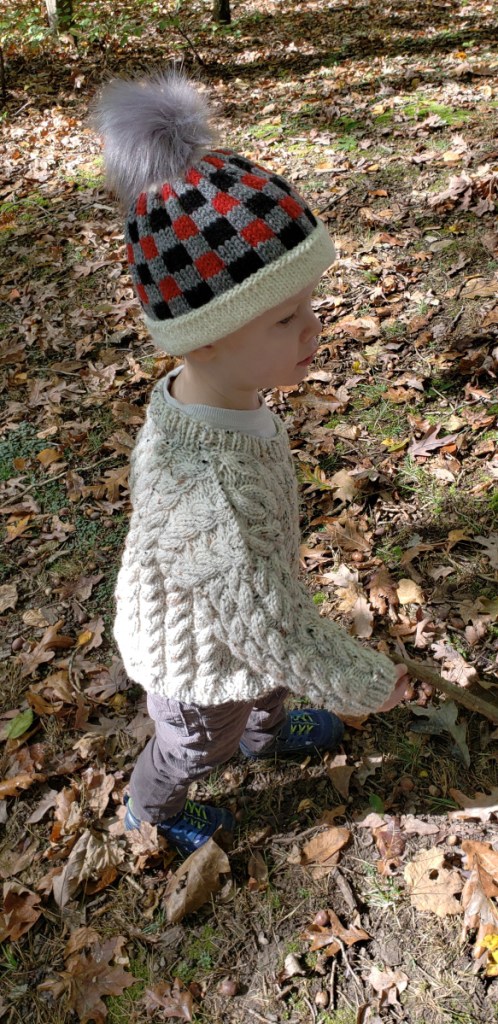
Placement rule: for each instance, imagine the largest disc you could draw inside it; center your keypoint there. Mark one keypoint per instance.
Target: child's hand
(399, 692)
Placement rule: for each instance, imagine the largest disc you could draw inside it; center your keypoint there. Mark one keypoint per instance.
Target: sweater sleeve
(223, 539)
(268, 622)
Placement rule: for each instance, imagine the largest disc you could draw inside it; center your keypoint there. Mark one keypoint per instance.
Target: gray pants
(190, 741)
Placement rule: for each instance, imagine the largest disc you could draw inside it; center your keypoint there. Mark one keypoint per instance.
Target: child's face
(274, 349)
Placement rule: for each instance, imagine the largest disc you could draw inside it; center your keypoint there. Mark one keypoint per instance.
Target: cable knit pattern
(209, 604)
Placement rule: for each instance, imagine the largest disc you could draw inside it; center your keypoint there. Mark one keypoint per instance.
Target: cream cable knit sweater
(209, 605)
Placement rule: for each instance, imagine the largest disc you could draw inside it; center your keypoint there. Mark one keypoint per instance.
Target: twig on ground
(458, 693)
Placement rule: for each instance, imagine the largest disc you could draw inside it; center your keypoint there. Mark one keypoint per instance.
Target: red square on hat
(184, 228)
(141, 207)
(149, 247)
(254, 181)
(142, 294)
(169, 288)
(257, 231)
(214, 160)
(193, 177)
(223, 203)
(166, 191)
(209, 264)
(291, 207)
(130, 255)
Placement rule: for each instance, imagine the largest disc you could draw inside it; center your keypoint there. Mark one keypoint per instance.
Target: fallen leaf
(388, 984)
(201, 876)
(14, 785)
(482, 806)
(339, 773)
(326, 929)
(8, 596)
(491, 546)
(172, 1000)
(90, 856)
(409, 592)
(454, 667)
(257, 870)
(430, 441)
(20, 912)
(88, 977)
(444, 719)
(390, 842)
(433, 887)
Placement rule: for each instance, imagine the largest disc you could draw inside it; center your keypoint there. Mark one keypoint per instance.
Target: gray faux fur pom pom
(154, 129)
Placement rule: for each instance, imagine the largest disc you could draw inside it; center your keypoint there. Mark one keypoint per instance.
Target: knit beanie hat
(213, 240)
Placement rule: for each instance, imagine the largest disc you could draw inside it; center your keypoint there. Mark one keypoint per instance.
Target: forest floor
(363, 887)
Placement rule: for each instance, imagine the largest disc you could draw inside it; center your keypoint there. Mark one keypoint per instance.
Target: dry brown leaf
(14, 785)
(339, 773)
(89, 976)
(171, 1000)
(20, 911)
(454, 667)
(482, 806)
(321, 853)
(8, 596)
(326, 929)
(363, 617)
(390, 843)
(201, 876)
(433, 886)
(257, 870)
(388, 984)
(383, 593)
(486, 856)
(480, 911)
(409, 592)
(44, 650)
(90, 857)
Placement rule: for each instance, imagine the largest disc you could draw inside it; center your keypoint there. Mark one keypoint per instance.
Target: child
(211, 617)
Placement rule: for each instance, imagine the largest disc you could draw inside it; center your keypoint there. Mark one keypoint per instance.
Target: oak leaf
(88, 977)
(20, 911)
(433, 886)
(171, 1000)
(329, 934)
(482, 806)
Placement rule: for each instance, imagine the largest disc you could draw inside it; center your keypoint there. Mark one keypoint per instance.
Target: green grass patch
(420, 109)
(122, 1009)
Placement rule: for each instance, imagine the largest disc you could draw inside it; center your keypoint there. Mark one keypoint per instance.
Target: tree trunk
(221, 11)
(60, 14)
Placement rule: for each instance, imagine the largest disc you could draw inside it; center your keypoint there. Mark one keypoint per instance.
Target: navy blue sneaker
(303, 732)
(189, 829)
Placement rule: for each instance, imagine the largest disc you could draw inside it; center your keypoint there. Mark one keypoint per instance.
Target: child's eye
(287, 319)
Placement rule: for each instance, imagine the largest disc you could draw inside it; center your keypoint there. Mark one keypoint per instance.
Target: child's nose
(313, 324)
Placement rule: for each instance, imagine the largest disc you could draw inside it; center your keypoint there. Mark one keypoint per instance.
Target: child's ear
(205, 354)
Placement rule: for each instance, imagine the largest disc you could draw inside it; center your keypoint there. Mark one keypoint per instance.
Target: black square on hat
(260, 204)
(192, 200)
(162, 311)
(281, 183)
(133, 231)
(223, 180)
(291, 235)
(245, 266)
(198, 296)
(159, 218)
(144, 273)
(176, 258)
(219, 232)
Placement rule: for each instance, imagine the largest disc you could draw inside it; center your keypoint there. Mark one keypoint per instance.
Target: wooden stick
(458, 693)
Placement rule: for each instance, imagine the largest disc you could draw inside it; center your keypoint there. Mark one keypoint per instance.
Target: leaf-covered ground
(363, 887)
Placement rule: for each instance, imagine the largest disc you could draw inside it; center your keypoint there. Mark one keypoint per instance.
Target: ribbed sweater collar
(195, 435)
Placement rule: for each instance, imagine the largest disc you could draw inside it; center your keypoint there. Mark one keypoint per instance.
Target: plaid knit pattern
(190, 241)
